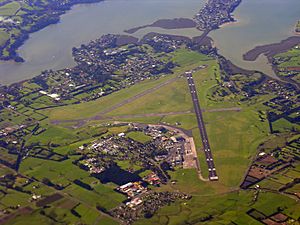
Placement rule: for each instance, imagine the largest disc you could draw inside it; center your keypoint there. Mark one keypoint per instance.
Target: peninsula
(210, 17)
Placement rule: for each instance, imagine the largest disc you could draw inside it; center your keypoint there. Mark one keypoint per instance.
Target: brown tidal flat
(177, 23)
(272, 49)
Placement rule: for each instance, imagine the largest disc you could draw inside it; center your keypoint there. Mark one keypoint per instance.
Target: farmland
(60, 159)
(287, 63)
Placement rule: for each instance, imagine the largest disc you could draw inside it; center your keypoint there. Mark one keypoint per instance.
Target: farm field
(65, 152)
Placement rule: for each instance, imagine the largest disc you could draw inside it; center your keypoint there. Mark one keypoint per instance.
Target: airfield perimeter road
(201, 126)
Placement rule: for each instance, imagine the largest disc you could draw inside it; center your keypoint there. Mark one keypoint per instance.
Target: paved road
(201, 125)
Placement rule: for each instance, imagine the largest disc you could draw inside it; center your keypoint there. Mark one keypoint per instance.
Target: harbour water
(259, 22)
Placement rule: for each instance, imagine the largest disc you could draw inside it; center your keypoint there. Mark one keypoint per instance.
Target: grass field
(224, 208)
(283, 125)
(4, 36)
(269, 203)
(9, 9)
(139, 136)
(50, 136)
(172, 97)
(93, 108)
(64, 173)
(63, 216)
(34, 218)
(234, 138)
(199, 208)
(289, 59)
(185, 57)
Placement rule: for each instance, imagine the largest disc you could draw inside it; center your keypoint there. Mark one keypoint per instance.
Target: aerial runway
(207, 150)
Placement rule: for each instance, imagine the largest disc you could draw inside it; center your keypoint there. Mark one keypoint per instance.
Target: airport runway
(207, 150)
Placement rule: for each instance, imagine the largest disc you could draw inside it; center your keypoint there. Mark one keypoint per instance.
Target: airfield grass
(232, 147)
(92, 108)
(234, 138)
(145, 120)
(185, 121)
(173, 97)
(159, 100)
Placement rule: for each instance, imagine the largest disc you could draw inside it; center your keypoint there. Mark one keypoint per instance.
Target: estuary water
(259, 22)
(50, 48)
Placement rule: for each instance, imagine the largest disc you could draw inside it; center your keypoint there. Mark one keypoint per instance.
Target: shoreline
(25, 35)
(203, 39)
(176, 23)
(237, 21)
(270, 50)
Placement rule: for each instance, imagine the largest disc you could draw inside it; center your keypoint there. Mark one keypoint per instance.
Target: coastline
(176, 23)
(25, 35)
(270, 50)
(233, 23)
(237, 21)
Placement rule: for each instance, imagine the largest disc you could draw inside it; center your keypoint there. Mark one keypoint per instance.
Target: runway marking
(207, 150)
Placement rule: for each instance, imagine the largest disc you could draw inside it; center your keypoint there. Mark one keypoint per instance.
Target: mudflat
(177, 23)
